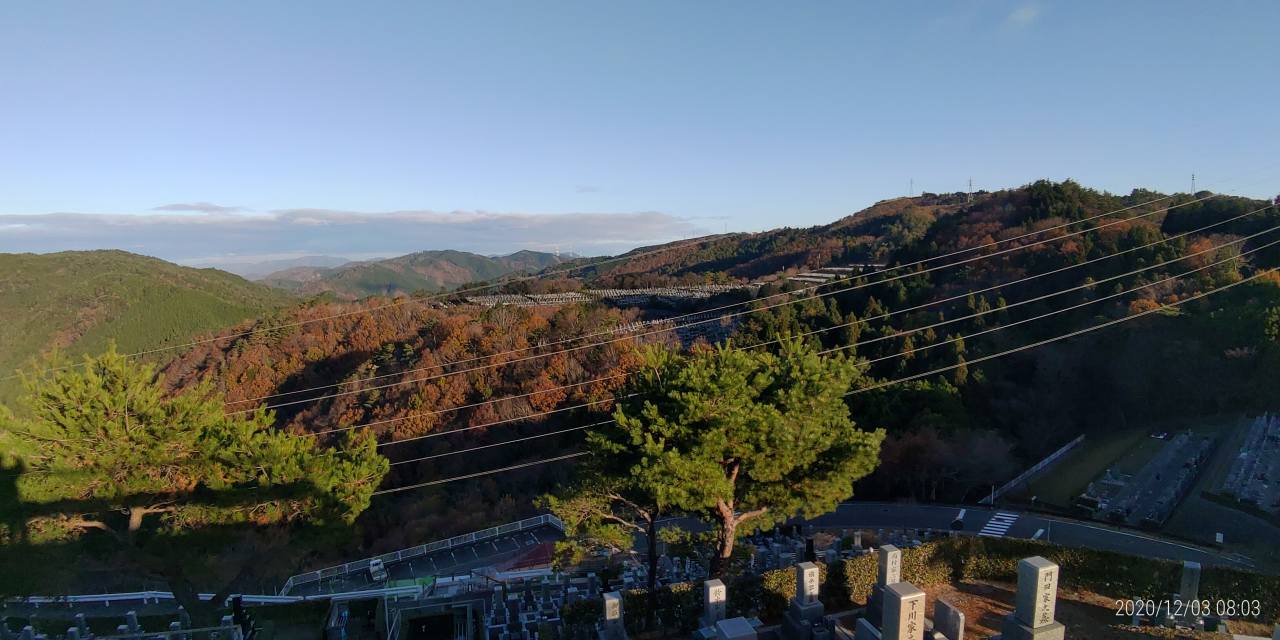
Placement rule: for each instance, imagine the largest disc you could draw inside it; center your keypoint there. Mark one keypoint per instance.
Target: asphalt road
(1072, 533)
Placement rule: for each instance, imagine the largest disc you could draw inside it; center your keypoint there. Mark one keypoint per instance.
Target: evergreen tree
(739, 438)
(107, 450)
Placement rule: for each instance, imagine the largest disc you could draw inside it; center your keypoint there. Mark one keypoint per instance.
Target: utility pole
(911, 190)
(1193, 184)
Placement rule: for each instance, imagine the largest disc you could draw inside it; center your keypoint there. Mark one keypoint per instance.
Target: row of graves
(1148, 497)
(1252, 479)
(240, 625)
(897, 610)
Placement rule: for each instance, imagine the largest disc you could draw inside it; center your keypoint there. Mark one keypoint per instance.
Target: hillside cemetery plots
(1148, 497)
(1253, 474)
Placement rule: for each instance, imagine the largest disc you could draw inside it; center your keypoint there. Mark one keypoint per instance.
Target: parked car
(377, 570)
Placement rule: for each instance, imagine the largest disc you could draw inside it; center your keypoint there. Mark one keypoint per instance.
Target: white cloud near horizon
(198, 207)
(227, 234)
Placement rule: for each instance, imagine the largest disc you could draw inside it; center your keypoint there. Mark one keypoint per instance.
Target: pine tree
(739, 438)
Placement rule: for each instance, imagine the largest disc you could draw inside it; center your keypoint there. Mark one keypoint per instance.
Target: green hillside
(80, 300)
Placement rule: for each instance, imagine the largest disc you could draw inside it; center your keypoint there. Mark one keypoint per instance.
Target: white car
(377, 570)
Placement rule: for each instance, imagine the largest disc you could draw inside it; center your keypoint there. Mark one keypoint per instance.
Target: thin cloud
(586, 188)
(199, 207)
(330, 232)
(1022, 16)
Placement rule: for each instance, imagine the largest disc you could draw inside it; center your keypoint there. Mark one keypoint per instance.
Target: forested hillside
(78, 301)
(409, 369)
(428, 271)
(963, 428)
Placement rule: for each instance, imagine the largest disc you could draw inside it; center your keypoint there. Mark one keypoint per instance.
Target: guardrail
(1023, 477)
(413, 552)
(150, 597)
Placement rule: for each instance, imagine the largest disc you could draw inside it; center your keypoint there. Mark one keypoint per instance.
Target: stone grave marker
(948, 620)
(1032, 617)
(903, 612)
(714, 600)
(735, 629)
(1189, 587)
(612, 628)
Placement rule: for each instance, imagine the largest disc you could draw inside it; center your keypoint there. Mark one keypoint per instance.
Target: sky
(199, 131)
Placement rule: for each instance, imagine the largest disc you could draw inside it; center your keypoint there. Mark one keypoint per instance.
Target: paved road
(1019, 524)
(1009, 523)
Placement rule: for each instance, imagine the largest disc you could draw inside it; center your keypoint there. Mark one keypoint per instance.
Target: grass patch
(1071, 476)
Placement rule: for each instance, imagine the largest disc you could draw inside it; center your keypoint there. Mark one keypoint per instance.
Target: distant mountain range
(256, 270)
(423, 271)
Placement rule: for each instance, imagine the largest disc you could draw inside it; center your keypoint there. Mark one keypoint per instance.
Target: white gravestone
(903, 612)
(714, 596)
(612, 628)
(890, 561)
(1032, 618)
(807, 582)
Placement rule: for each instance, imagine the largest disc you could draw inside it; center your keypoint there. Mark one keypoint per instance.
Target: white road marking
(1039, 532)
(998, 525)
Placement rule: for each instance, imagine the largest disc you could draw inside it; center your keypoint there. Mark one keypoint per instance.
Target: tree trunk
(652, 535)
(135, 521)
(724, 545)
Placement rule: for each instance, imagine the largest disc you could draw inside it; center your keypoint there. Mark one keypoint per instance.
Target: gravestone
(1189, 588)
(903, 612)
(810, 552)
(1032, 617)
(889, 571)
(714, 598)
(864, 630)
(857, 539)
(735, 629)
(612, 628)
(948, 620)
(804, 618)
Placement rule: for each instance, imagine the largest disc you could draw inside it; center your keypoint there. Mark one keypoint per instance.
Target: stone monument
(714, 599)
(1189, 587)
(804, 618)
(903, 612)
(735, 629)
(948, 620)
(612, 627)
(1032, 617)
(889, 564)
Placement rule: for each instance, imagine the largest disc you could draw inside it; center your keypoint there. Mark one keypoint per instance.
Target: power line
(1155, 283)
(395, 304)
(859, 321)
(502, 442)
(480, 473)
(1168, 305)
(1056, 311)
(719, 318)
(1006, 352)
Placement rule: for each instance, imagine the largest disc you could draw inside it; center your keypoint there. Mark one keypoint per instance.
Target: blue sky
(688, 116)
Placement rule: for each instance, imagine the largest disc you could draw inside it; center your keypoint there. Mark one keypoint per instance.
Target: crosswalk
(998, 525)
